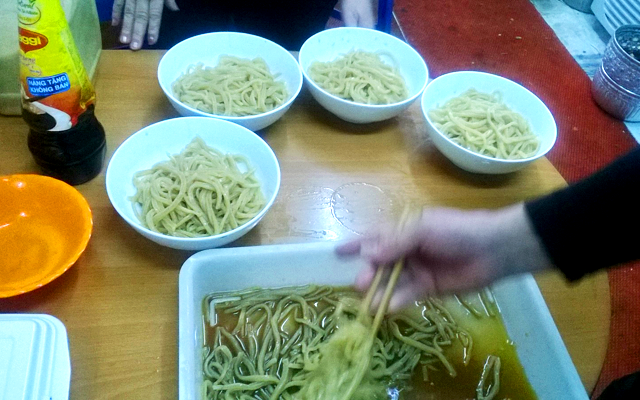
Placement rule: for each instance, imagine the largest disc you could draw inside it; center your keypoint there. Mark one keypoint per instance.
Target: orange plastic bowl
(45, 225)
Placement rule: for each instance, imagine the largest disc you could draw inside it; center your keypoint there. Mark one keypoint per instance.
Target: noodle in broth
(265, 344)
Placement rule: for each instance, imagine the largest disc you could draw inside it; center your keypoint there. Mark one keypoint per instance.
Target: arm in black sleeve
(594, 223)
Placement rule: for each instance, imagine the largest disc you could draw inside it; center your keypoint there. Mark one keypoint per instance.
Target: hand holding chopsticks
(449, 251)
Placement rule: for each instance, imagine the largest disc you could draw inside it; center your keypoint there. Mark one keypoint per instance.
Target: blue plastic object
(104, 9)
(385, 14)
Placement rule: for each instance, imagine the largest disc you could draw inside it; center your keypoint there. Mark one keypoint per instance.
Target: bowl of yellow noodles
(234, 76)
(485, 123)
(193, 183)
(362, 75)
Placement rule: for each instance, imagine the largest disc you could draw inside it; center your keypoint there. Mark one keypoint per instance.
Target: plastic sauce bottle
(65, 138)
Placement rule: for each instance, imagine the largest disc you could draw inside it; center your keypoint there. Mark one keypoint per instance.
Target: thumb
(366, 19)
(171, 5)
(392, 243)
(358, 13)
(349, 248)
(349, 18)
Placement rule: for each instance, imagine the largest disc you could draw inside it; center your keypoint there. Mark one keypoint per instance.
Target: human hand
(450, 251)
(141, 17)
(358, 13)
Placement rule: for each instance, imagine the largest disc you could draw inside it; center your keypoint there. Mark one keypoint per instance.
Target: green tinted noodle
(235, 87)
(198, 192)
(270, 344)
(362, 77)
(482, 123)
(489, 384)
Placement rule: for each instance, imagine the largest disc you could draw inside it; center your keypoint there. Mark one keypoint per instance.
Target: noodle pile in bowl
(235, 87)
(198, 192)
(482, 123)
(361, 77)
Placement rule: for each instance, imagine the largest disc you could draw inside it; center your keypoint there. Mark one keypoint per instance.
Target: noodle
(235, 87)
(361, 77)
(488, 303)
(275, 339)
(489, 384)
(482, 123)
(199, 192)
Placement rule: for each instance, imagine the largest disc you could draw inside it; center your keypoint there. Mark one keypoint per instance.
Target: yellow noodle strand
(482, 123)
(361, 77)
(235, 87)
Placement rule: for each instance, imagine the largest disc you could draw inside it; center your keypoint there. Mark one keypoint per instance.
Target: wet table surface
(120, 300)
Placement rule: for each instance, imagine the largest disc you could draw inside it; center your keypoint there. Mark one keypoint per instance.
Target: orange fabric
(510, 38)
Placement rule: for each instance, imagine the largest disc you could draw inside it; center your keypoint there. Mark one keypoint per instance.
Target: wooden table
(120, 301)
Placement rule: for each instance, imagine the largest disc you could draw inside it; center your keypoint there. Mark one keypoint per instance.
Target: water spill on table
(303, 213)
(361, 206)
(322, 213)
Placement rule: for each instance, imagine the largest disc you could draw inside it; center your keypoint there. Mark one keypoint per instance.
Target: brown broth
(489, 338)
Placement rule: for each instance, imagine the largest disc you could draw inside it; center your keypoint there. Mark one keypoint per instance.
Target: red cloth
(510, 38)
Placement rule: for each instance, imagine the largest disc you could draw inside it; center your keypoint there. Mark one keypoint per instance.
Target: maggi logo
(30, 41)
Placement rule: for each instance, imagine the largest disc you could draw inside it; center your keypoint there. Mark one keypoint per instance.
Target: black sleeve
(594, 223)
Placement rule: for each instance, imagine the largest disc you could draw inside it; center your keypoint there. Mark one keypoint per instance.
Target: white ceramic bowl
(207, 49)
(515, 96)
(156, 142)
(332, 43)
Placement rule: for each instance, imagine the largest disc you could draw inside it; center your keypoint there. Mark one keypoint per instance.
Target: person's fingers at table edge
(172, 5)
(155, 19)
(349, 19)
(116, 12)
(368, 22)
(127, 21)
(141, 21)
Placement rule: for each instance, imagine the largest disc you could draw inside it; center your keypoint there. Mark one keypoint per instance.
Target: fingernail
(124, 39)
(151, 40)
(135, 44)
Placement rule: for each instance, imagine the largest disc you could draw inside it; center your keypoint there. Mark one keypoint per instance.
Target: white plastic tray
(528, 322)
(34, 358)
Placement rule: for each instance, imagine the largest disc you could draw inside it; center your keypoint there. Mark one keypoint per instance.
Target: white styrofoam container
(527, 319)
(34, 358)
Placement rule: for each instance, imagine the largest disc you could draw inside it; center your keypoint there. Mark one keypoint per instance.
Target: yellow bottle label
(54, 81)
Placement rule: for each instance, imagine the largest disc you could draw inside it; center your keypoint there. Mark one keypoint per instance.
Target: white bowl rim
(374, 106)
(287, 103)
(541, 153)
(135, 222)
